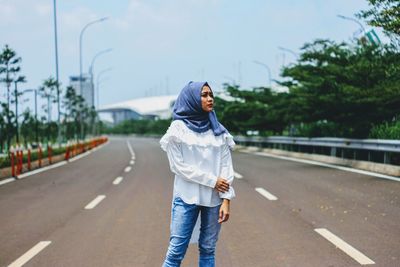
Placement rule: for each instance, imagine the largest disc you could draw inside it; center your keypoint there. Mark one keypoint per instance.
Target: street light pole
(57, 78)
(91, 72)
(97, 84)
(18, 80)
(231, 79)
(289, 50)
(80, 48)
(268, 69)
(354, 20)
(36, 119)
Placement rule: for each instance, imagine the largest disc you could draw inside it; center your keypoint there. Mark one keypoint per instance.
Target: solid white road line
(94, 202)
(52, 166)
(346, 248)
(132, 162)
(30, 254)
(265, 193)
(58, 164)
(79, 156)
(128, 169)
(6, 181)
(118, 180)
(329, 166)
(238, 175)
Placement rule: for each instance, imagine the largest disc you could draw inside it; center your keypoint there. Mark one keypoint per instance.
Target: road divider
(265, 193)
(118, 180)
(6, 181)
(79, 156)
(306, 161)
(345, 247)
(27, 163)
(30, 254)
(58, 164)
(95, 202)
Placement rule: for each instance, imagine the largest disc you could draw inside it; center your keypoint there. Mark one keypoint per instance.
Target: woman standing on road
(198, 149)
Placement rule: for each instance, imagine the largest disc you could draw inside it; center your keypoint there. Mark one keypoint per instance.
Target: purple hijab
(188, 109)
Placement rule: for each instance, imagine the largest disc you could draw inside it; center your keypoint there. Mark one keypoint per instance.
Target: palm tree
(48, 91)
(9, 67)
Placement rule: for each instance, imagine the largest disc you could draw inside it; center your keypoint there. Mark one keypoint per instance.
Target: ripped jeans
(183, 220)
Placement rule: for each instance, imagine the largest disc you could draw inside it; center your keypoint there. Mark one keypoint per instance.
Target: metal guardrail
(382, 151)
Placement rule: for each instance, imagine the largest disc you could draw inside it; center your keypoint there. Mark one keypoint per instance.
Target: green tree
(384, 14)
(9, 69)
(353, 86)
(48, 91)
(259, 109)
(28, 127)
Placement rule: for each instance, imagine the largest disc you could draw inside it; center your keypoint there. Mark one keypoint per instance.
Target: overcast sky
(160, 45)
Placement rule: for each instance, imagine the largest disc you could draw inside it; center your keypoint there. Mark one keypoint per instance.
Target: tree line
(347, 89)
(24, 126)
(336, 89)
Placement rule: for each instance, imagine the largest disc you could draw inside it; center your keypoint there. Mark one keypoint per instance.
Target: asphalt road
(46, 218)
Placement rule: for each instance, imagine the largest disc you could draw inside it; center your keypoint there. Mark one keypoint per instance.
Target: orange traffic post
(21, 155)
(49, 153)
(29, 159)
(40, 156)
(12, 164)
(67, 153)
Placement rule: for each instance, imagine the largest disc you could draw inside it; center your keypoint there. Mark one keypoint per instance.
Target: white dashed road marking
(30, 254)
(265, 193)
(346, 248)
(94, 203)
(130, 149)
(238, 175)
(118, 180)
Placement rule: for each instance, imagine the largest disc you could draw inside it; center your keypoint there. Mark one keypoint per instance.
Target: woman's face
(207, 99)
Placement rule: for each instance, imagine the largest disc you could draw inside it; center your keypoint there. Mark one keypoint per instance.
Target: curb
(52, 166)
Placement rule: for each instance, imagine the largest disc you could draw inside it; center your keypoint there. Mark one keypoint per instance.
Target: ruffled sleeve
(229, 140)
(179, 133)
(175, 133)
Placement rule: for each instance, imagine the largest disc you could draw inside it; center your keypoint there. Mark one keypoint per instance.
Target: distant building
(87, 88)
(158, 107)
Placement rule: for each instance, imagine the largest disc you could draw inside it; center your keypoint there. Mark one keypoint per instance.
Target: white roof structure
(152, 107)
(160, 106)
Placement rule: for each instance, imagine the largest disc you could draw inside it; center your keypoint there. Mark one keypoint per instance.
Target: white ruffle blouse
(197, 160)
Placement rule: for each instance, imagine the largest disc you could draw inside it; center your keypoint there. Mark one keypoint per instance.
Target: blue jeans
(183, 220)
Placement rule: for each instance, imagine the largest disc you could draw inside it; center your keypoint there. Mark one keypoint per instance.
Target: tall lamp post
(80, 48)
(36, 119)
(57, 78)
(289, 50)
(96, 56)
(354, 20)
(268, 69)
(20, 79)
(97, 83)
(230, 78)
(80, 57)
(91, 71)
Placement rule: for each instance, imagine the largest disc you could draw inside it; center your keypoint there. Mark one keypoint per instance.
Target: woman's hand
(222, 185)
(224, 211)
